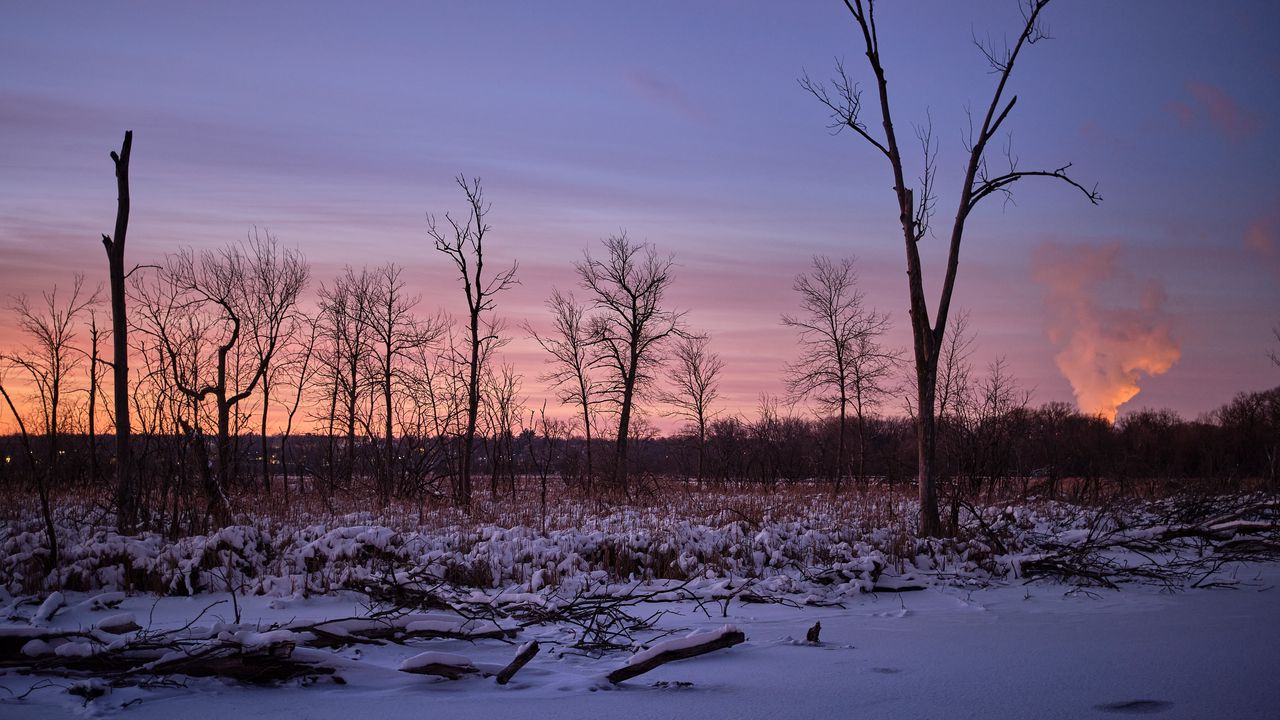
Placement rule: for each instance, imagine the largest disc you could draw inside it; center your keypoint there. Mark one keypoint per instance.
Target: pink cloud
(1182, 112)
(1212, 103)
(664, 93)
(1262, 238)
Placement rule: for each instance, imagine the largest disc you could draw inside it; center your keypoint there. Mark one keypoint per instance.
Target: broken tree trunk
(678, 649)
(523, 656)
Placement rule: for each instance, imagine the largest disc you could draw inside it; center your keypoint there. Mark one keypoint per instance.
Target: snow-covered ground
(1004, 651)
(1166, 607)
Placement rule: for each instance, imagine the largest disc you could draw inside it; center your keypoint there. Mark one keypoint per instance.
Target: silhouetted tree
(51, 358)
(219, 321)
(915, 212)
(694, 384)
(343, 306)
(569, 344)
(631, 325)
(463, 242)
(126, 509)
(842, 361)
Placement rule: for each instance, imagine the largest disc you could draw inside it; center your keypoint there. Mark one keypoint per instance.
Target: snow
(48, 608)
(432, 657)
(976, 641)
(118, 623)
(1055, 653)
(692, 640)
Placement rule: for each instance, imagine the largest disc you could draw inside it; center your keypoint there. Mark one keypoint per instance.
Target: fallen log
(523, 656)
(677, 649)
(445, 665)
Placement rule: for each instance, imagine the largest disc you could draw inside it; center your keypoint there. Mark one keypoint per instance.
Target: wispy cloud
(666, 94)
(1262, 238)
(1206, 102)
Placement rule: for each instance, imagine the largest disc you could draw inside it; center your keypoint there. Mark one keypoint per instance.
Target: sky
(339, 126)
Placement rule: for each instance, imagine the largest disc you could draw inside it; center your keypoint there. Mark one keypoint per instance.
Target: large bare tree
(219, 319)
(126, 510)
(980, 181)
(463, 242)
(631, 325)
(843, 362)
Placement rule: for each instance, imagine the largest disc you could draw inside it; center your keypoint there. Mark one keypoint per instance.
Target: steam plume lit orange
(1103, 349)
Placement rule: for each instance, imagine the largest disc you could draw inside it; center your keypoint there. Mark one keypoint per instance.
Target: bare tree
(1275, 354)
(463, 243)
(914, 212)
(503, 410)
(694, 379)
(219, 320)
(95, 341)
(298, 370)
(126, 509)
(52, 357)
(343, 306)
(395, 332)
(628, 292)
(569, 345)
(842, 362)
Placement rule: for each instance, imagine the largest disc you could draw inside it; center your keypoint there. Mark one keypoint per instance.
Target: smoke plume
(1104, 348)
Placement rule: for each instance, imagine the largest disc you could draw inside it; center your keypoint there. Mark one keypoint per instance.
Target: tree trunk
(93, 403)
(473, 408)
(624, 429)
(126, 511)
(388, 450)
(266, 453)
(840, 453)
(926, 436)
(586, 424)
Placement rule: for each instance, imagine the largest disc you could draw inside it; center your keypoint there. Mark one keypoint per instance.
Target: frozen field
(1033, 651)
(1165, 607)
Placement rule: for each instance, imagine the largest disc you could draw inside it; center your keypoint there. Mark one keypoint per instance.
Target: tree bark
(126, 510)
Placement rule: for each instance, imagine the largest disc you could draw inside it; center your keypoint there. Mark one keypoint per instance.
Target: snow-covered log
(523, 656)
(677, 649)
(446, 665)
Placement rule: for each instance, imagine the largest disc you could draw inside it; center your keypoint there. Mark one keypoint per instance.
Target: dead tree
(980, 181)
(842, 362)
(569, 344)
(126, 509)
(694, 384)
(631, 326)
(463, 243)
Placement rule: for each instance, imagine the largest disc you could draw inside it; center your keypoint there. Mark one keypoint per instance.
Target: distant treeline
(1051, 449)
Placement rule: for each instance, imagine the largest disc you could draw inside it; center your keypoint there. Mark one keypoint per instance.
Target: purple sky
(338, 127)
